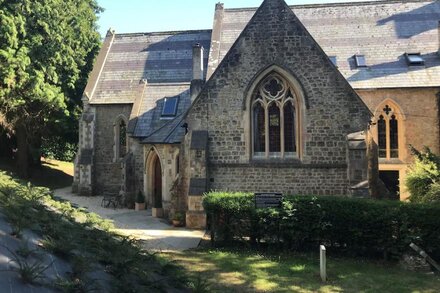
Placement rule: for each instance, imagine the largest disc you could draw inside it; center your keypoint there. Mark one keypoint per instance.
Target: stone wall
(107, 168)
(305, 181)
(420, 107)
(137, 149)
(418, 126)
(167, 155)
(275, 40)
(83, 180)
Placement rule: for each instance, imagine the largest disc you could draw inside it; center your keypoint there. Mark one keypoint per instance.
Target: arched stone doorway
(154, 182)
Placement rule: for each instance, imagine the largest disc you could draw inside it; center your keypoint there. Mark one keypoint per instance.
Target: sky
(130, 16)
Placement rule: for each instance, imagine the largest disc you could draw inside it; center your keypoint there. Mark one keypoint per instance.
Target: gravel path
(156, 234)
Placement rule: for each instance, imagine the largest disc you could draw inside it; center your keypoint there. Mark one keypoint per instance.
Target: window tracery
(388, 133)
(274, 119)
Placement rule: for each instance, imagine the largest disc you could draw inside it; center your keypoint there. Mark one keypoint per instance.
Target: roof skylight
(170, 107)
(360, 60)
(414, 59)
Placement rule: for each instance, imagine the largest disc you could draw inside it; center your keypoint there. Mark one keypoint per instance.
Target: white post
(323, 266)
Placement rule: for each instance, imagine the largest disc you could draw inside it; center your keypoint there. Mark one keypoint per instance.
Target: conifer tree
(47, 48)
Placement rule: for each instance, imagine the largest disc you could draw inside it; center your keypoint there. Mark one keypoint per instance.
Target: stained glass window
(274, 129)
(275, 101)
(388, 132)
(382, 132)
(259, 129)
(394, 135)
(289, 128)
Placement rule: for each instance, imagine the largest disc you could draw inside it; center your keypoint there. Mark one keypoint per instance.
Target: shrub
(59, 149)
(423, 179)
(229, 212)
(351, 226)
(140, 198)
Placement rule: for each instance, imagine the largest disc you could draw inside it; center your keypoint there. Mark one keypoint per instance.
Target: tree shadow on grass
(243, 271)
(51, 174)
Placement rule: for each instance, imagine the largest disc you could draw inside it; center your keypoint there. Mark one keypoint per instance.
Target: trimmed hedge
(353, 226)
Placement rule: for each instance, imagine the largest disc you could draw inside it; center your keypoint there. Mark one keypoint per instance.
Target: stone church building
(271, 99)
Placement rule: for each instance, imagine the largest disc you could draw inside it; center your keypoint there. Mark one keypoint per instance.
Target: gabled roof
(276, 40)
(143, 69)
(149, 118)
(164, 57)
(383, 31)
(170, 133)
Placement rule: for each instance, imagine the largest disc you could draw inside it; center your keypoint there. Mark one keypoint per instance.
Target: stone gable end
(275, 36)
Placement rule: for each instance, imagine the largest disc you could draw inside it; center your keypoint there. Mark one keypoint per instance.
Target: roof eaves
(139, 34)
(334, 4)
(160, 128)
(98, 67)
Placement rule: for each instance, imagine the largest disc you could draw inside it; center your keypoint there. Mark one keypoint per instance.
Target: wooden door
(157, 184)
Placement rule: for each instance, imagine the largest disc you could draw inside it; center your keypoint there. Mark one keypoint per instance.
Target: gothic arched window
(274, 119)
(388, 133)
(122, 139)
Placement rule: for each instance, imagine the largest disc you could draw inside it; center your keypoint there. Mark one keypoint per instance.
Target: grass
(209, 269)
(52, 174)
(86, 241)
(229, 270)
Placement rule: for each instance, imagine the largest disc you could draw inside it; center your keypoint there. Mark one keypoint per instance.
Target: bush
(140, 198)
(348, 225)
(423, 179)
(59, 149)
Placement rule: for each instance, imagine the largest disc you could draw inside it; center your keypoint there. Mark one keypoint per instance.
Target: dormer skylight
(170, 107)
(334, 60)
(414, 59)
(360, 60)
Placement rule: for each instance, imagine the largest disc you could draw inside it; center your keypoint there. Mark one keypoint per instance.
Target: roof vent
(414, 59)
(360, 60)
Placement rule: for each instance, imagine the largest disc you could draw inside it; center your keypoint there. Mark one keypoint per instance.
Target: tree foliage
(46, 51)
(423, 179)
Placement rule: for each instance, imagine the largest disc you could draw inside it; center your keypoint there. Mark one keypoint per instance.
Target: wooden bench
(267, 200)
(116, 200)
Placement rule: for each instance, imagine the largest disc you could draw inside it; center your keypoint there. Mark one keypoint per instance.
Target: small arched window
(274, 119)
(120, 138)
(177, 164)
(388, 133)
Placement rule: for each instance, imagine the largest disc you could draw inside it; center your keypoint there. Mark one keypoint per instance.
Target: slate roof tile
(157, 57)
(382, 31)
(152, 104)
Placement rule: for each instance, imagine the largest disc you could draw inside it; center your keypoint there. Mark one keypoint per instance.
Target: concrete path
(156, 234)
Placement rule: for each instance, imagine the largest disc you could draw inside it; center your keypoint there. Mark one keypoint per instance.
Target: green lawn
(241, 271)
(52, 173)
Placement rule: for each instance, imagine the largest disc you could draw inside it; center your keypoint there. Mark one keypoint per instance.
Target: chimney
(198, 73)
(197, 61)
(438, 31)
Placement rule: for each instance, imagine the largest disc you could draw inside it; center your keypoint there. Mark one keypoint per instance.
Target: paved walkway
(156, 234)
